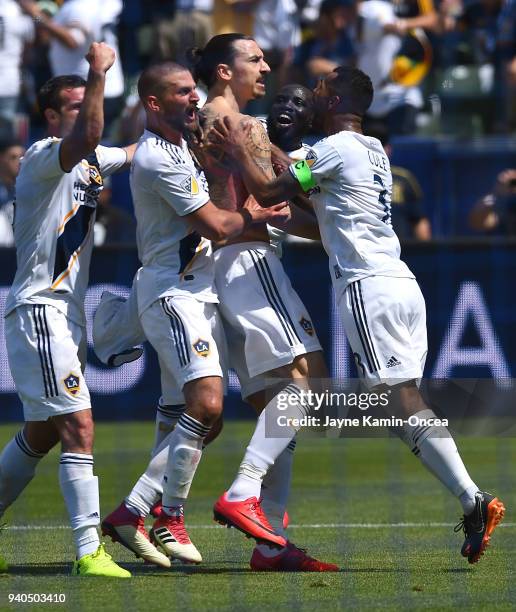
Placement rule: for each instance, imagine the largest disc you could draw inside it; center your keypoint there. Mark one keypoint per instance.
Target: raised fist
(100, 57)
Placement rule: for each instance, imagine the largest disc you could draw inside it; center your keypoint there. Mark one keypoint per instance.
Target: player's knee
(204, 399)
(406, 399)
(211, 408)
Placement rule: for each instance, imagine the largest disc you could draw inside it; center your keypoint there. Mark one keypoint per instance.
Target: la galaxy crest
(202, 347)
(72, 384)
(307, 326)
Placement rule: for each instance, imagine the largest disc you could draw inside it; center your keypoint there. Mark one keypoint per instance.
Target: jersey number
(382, 199)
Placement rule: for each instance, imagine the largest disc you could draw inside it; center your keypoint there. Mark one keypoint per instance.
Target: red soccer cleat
(248, 517)
(169, 532)
(292, 559)
(128, 529)
(156, 509)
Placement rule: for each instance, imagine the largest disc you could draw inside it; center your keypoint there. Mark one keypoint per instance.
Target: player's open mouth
(284, 119)
(191, 113)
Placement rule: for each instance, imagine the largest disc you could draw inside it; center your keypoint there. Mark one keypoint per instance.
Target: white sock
(18, 463)
(166, 419)
(437, 450)
(275, 492)
(149, 487)
(268, 442)
(80, 490)
(185, 451)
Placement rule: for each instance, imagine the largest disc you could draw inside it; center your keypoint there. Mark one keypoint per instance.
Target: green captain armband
(301, 170)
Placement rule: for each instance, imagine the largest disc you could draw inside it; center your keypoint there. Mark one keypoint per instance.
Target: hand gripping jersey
(349, 180)
(166, 186)
(53, 226)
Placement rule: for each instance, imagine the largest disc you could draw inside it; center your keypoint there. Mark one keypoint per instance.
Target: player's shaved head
(153, 80)
(353, 87)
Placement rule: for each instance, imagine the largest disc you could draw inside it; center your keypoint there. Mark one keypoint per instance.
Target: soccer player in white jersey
(176, 295)
(382, 308)
(268, 328)
(56, 197)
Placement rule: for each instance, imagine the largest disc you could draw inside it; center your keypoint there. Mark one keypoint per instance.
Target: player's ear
(51, 116)
(152, 103)
(333, 102)
(224, 72)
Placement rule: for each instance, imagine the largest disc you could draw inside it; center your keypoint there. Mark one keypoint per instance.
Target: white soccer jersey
(53, 226)
(166, 186)
(352, 200)
(16, 29)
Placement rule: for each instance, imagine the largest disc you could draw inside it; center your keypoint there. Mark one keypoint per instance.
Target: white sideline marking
(304, 526)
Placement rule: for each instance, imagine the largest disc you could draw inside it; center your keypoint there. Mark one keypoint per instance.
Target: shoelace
(101, 552)
(460, 525)
(260, 514)
(179, 532)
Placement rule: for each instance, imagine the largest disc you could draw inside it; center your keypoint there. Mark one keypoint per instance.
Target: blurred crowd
(438, 67)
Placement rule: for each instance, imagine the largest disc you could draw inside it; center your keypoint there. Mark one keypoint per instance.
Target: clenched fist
(100, 57)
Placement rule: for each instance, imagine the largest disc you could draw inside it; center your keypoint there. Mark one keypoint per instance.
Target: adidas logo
(393, 362)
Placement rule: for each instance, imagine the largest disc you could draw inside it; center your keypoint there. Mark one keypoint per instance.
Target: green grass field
(367, 505)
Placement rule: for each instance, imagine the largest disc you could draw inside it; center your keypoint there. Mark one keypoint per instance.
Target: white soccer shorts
(187, 335)
(46, 352)
(265, 321)
(385, 322)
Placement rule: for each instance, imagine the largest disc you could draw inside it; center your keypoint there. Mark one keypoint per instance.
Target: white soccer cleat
(129, 530)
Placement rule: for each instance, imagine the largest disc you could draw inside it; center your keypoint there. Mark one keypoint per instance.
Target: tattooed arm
(249, 146)
(258, 145)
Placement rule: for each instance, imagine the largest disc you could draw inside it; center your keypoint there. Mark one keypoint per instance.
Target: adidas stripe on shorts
(45, 352)
(188, 336)
(265, 322)
(385, 322)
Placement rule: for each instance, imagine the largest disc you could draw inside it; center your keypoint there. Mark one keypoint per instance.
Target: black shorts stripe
(178, 331)
(272, 295)
(280, 299)
(45, 357)
(50, 360)
(368, 333)
(358, 325)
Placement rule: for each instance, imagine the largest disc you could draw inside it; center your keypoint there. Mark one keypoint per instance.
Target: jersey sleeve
(110, 159)
(322, 162)
(43, 160)
(179, 186)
